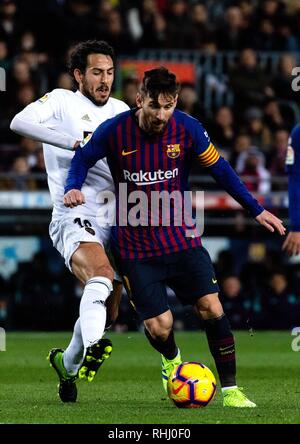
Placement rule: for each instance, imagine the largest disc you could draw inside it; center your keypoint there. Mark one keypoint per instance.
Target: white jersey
(59, 119)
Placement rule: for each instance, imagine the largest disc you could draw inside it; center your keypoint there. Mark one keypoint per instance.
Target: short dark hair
(159, 81)
(80, 53)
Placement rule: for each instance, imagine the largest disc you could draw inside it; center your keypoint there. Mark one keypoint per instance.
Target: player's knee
(210, 306)
(214, 308)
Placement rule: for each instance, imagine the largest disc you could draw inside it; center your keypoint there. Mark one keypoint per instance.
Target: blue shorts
(189, 273)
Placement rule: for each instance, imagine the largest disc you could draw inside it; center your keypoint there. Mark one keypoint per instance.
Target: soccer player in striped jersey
(292, 243)
(150, 150)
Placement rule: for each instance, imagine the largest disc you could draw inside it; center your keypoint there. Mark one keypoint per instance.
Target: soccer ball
(191, 384)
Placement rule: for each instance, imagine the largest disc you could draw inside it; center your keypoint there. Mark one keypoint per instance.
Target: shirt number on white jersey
(86, 224)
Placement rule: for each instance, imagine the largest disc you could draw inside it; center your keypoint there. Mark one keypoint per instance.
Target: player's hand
(271, 222)
(76, 144)
(292, 243)
(73, 198)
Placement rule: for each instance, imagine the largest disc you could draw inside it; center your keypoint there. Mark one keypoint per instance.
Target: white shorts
(67, 232)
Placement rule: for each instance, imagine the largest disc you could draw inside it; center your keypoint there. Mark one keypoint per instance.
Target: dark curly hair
(80, 53)
(159, 81)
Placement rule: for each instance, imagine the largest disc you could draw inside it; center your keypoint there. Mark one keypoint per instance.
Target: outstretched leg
(87, 350)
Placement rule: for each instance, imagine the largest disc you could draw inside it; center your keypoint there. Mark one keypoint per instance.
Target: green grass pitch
(128, 388)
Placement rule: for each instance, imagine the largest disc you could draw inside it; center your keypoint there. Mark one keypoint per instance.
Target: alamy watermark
(296, 341)
(152, 209)
(2, 79)
(2, 340)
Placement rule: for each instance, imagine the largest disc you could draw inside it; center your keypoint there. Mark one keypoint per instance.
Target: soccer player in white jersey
(62, 119)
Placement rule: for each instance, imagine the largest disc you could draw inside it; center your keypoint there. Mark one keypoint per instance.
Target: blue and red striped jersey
(293, 170)
(153, 164)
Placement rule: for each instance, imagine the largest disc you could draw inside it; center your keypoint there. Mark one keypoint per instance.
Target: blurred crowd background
(36, 37)
(260, 46)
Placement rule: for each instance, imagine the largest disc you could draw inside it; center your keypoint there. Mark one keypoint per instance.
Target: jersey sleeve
(32, 121)
(46, 107)
(293, 171)
(221, 170)
(292, 160)
(203, 147)
(225, 176)
(50, 105)
(93, 148)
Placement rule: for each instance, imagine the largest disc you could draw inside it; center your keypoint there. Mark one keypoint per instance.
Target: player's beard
(151, 127)
(88, 92)
(157, 128)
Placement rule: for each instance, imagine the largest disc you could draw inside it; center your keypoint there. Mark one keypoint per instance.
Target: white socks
(90, 326)
(228, 388)
(92, 310)
(74, 353)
